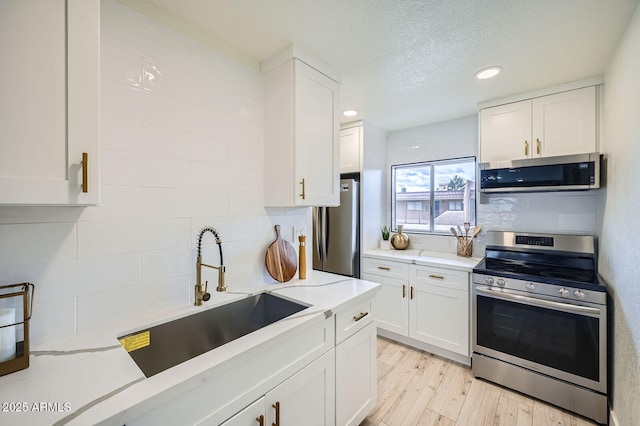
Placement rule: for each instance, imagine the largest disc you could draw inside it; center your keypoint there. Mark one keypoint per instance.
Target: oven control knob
(563, 291)
(489, 280)
(579, 294)
(500, 282)
(530, 286)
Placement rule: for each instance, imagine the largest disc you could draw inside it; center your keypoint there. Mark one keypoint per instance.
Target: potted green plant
(385, 244)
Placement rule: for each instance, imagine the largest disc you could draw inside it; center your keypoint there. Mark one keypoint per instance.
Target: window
(431, 197)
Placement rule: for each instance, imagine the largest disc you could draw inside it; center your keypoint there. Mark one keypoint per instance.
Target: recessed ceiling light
(350, 112)
(485, 73)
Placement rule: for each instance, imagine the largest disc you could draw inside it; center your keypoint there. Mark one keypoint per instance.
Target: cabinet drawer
(385, 268)
(354, 318)
(447, 278)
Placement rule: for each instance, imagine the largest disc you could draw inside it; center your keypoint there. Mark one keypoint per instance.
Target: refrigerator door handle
(317, 213)
(325, 232)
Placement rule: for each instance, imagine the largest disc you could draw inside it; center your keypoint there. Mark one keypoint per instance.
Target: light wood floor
(418, 388)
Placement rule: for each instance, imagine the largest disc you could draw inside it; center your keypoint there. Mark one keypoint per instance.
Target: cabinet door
(392, 304)
(49, 104)
(250, 416)
(440, 317)
(565, 123)
(350, 145)
(306, 398)
(316, 137)
(356, 377)
(505, 132)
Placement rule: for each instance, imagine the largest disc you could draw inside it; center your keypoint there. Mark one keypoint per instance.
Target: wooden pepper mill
(302, 252)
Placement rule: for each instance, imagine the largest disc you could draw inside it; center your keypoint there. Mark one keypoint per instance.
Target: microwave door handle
(502, 294)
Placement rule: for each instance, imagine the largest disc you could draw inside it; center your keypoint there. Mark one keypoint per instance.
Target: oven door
(543, 334)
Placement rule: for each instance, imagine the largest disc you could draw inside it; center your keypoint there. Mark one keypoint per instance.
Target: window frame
(432, 201)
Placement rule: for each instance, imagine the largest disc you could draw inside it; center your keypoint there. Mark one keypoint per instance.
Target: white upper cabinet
(350, 149)
(565, 123)
(505, 131)
(49, 108)
(301, 137)
(559, 124)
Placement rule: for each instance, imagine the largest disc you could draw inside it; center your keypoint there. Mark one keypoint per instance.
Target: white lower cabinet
(306, 398)
(393, 304)
(338, 388)
(439, 311)
(423, 306)
(356, 377)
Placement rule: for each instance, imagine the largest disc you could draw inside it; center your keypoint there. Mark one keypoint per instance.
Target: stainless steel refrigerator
(336, 233)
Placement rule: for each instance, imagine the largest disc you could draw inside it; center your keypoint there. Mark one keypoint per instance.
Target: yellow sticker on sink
(136, 341)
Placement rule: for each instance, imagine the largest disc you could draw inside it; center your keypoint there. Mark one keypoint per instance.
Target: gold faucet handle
(206, 296)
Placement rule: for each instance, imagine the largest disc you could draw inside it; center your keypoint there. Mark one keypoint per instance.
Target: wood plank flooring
(418, 388)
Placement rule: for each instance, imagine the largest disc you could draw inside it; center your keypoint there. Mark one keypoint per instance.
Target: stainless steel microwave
(562, 173)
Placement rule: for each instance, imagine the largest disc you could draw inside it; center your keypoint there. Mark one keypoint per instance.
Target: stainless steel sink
(179, 340)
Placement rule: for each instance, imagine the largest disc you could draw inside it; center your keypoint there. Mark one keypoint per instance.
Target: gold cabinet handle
(384, 268)
(360, 316)
(85, 172)
(412, 294)
(439, 277)
(260, 420)
(302, 194)
(537, 146)
(404, 291)
(277, 408)
(526, 148)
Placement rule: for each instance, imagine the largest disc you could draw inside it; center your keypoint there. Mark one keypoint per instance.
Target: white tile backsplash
(36, 243)
(53, 320)
(120, 66)
(158, 264)
(100, 309)
(552, 212)
(120, 134)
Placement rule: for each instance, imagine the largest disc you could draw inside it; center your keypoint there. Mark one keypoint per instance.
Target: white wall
(620, 201)
(181, 148)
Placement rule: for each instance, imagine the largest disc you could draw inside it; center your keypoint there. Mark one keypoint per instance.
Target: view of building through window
(433, 196)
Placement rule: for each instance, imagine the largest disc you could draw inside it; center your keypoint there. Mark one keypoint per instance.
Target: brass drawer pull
(440, 277)
(85, 172)
(260, 420)
(360, 316)
(526, 148)
(384, 268)
(404, 291)
(538, 146)
(412, 294)
(277, 407)
(303, 194)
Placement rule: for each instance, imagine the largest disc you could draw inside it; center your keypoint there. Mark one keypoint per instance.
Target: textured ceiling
(405, 63)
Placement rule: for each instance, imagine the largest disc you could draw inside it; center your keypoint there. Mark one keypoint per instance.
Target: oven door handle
(538, 302)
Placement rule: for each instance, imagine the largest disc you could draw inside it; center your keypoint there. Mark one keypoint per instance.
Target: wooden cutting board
(281, 259)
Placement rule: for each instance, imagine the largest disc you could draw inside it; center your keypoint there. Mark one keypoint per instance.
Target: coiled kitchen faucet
(201, 294)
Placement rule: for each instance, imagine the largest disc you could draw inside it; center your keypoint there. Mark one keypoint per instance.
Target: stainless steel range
(540, 319)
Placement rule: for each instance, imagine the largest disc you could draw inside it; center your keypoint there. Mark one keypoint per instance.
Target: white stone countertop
(89, 378)
(426, 258)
